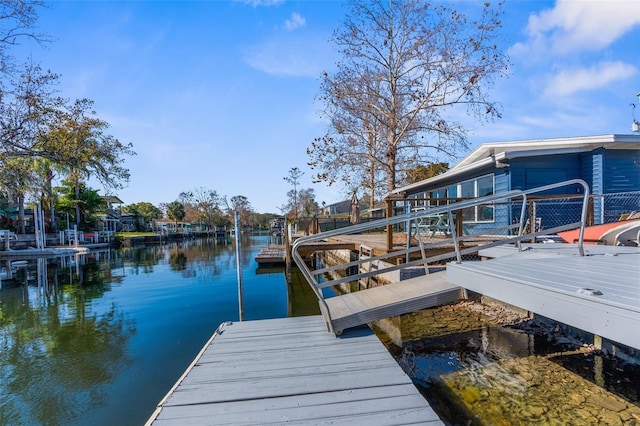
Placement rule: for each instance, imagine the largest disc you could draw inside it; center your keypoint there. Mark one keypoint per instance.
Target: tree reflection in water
(56, 351)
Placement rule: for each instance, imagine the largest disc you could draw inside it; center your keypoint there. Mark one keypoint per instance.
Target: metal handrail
(313, 277)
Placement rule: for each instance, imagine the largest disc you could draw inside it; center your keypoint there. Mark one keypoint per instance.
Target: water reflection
(100, 338)
(56, 351)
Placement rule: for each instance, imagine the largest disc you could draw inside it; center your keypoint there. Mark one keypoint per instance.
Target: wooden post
(390, 200)
(590, 212)
(388, 214)
(459, 227)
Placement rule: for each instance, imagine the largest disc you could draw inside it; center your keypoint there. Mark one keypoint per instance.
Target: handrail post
(523, 208)
(583, 216)
(454, 237)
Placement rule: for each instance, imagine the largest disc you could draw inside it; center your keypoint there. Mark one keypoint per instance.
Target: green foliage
(86, 200)
(43, 134)
(175, 211)
(145, 213)
(423, 172)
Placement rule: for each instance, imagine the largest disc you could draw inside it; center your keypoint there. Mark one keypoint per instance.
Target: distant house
(111, 201)
(111, 219)
(609, 164)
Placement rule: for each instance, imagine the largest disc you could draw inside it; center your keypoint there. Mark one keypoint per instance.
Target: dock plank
(292, 370)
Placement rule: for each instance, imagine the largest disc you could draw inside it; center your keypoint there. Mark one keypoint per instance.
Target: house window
(438, 197)
(474, 188)
(485, 186)
(453, 191)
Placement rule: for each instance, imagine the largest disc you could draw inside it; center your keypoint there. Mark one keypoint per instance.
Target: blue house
(609, 164)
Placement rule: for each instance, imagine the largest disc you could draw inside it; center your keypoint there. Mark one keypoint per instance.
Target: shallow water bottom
(479, 369)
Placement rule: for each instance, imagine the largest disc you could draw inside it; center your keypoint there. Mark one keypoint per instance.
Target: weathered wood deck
(290, 370)
(361, 307)
(272, 255)
(598, 293)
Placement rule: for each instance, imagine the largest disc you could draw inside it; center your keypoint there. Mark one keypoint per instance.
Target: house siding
(533, 172)
(621, 175)
(621, 171)
(609, 164)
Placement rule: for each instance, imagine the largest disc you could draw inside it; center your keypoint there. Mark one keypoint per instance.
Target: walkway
(290, 370)
(364, 306)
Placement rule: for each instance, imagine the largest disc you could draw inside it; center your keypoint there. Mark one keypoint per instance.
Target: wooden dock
(290, 370)
(272, 255)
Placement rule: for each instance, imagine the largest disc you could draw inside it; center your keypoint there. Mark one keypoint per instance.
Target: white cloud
(570, 81)
(300, 57)
(578, 26)
(295, 21)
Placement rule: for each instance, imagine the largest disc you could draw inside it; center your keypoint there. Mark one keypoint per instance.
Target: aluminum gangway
(431, 289)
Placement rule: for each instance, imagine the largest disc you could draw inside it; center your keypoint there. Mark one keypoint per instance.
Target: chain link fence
(612, 207)
(603, 208)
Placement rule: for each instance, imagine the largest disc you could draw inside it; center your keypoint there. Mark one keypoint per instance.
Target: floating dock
(272, 255)
(598, 293)
(291, 370)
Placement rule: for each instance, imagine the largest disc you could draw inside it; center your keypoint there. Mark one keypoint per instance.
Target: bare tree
(308, 201)
(202, 205)
(352, 151)
(405, 65)
(17, 23)
(301, 204)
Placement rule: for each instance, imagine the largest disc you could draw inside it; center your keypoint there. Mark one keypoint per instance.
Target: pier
(290, 370)
(277, 254)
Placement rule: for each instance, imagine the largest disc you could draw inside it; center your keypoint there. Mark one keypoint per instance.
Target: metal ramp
(361, 307)
(396, 296)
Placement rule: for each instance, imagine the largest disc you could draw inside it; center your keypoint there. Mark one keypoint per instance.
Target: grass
(135, 234)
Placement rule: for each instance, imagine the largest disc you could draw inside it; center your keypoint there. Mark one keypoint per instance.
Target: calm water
(99, 339)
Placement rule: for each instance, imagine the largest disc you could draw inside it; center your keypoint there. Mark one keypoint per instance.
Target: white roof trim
(586, 142)
(491, 152)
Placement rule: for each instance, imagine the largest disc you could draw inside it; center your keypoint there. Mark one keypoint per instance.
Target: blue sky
(221, 94)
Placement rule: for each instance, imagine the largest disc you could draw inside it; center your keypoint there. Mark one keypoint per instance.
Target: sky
(221, 94)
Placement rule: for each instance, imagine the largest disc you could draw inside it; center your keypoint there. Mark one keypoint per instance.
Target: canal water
(99, 339)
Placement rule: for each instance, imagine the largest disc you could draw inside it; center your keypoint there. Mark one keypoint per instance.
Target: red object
(592, 234)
